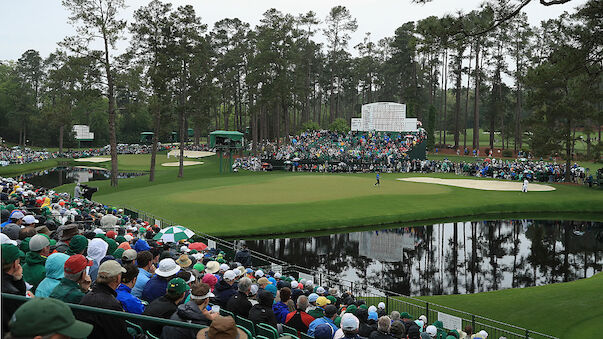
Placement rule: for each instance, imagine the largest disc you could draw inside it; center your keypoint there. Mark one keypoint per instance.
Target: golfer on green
(377, 183)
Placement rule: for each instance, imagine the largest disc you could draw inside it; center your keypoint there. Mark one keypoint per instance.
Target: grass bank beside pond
(565, 310)
(267, 203)
(14, 170)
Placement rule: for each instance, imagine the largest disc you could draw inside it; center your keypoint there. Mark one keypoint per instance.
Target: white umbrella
(174, 234)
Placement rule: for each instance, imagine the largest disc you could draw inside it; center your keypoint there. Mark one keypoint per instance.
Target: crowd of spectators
(55, 247)
(18, 155)
(332, 151)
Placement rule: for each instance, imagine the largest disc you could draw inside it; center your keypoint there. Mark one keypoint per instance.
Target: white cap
(372, 308)
(259, 273)
(254, 289)
(184, 249)
(229, 275)
(4, 239)
(128, 237)
(309, 283)
(431, 330)
(98, 231)
(277, 275)
(320, 290)
(224, 267)
(30, 219)
(294, 284)
(381, 305)
(17, 215)
(237, 272)
(483, 333)
(423, 319)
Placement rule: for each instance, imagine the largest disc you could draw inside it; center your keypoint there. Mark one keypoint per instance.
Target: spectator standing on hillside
(243, 256)
(103, 295)
(12, 281)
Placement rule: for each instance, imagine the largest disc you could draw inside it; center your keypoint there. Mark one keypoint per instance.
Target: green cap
(77, 244)
(333, 299)
(10, 253)
(193, 252)
(118, 253)
(120, 238)
(363, 306)
(405, 315)
(43, 316)
(351, 309)
(177, 286)
(24, 245)
(199, 267)
(112, 245)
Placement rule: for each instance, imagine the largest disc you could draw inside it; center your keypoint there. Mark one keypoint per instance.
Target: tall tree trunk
(111, 97)
(156, 131)
(476, 99)
(457, 112)
(568, 150)
(61, 136)
(445, 93)
(465, 120)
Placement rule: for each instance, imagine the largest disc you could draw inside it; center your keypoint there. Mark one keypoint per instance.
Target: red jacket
(299, 320)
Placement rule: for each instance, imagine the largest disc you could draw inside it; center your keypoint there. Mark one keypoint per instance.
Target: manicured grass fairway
(247, 203)
(565, 310)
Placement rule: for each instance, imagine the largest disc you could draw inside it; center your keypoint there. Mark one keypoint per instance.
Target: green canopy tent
(226, 141)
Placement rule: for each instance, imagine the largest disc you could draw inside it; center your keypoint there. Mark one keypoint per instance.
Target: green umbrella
(174, 234)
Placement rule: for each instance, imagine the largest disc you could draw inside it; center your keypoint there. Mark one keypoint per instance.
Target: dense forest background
(532, 87)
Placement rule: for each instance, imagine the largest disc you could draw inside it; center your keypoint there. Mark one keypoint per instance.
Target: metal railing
(372, 295)
(134, 318)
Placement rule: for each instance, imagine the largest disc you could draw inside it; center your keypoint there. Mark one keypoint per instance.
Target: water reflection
(452, 258)
(58, 176)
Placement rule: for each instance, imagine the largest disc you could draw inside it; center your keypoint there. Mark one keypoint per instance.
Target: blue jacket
(320, 321)
(223, 292)
(141, 281)
(130, 303)
(280, 310)
(155, 288)
(54, 272)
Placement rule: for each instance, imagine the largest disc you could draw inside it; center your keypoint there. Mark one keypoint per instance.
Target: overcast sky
(40, 24)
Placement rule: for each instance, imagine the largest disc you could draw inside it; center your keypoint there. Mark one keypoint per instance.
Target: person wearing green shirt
(76, 281)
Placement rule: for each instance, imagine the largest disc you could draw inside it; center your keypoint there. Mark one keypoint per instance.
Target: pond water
(451, 258)
(58, 176)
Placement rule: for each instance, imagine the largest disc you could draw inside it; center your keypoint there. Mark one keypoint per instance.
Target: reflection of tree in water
(451, 258)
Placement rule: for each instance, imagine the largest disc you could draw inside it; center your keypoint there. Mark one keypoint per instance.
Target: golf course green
(565, 310)
(259, 203)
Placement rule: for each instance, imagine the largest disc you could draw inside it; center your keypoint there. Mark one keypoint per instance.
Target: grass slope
(566, 310)
(14, 170)
(247, 203)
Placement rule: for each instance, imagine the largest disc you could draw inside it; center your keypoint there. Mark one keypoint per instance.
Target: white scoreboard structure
(384, 117)
(82, 133)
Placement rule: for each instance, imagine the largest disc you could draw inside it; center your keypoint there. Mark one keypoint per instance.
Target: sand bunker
(487, 185)
(190, 154)
(185, 163)
(93, 159)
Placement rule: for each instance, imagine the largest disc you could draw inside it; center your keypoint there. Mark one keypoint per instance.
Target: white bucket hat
(167, 267)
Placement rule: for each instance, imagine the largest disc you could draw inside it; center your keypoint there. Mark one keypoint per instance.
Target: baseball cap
(111, 234)
(323, 331)
(294, 284)
(42, 316)
(10, 253)
(110, 268)
(17, 215)
(320, 290)
(177, 286)
(431, 330)
(312, 297)
(277, 275)
(349, 322)
(259, 273)
(224, 267)
(330, 310)
(405, 315)
(38, 242)
(30, 219)
(229, 275)
(322, 301)
(76, 263)
(129, 255)
(264, 280)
